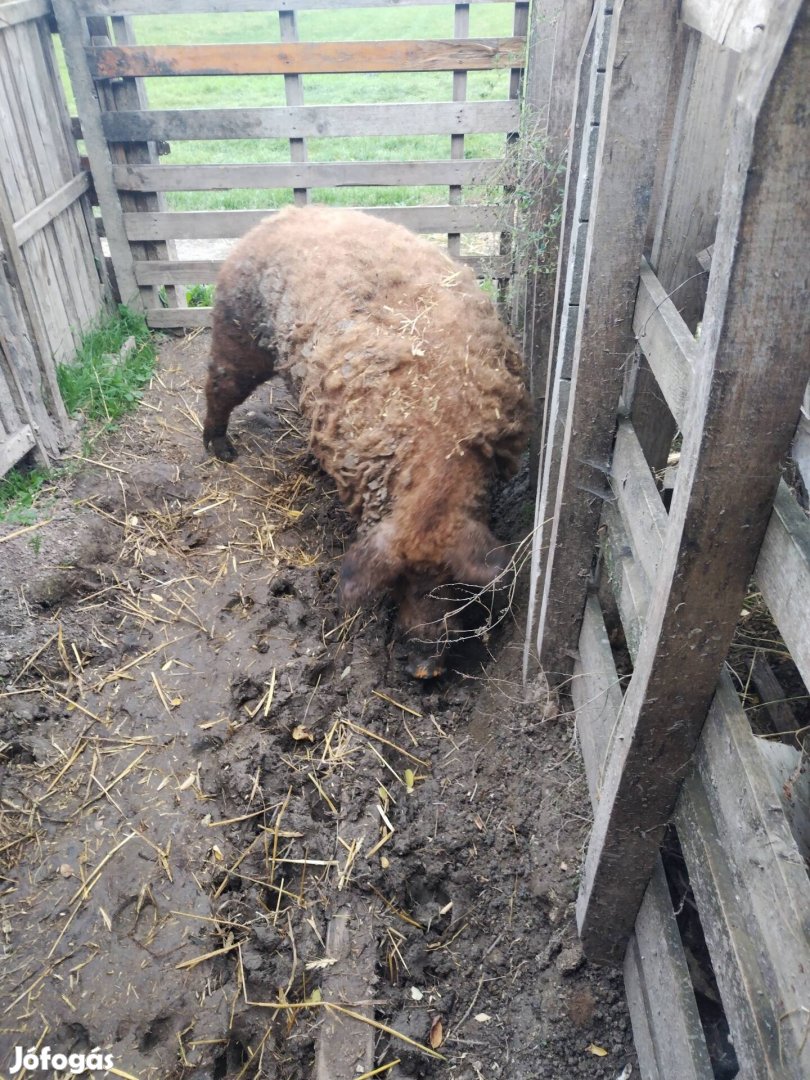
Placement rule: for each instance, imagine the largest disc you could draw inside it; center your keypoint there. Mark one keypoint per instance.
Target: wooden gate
(681, 336)
(52, 283)
(122, 134)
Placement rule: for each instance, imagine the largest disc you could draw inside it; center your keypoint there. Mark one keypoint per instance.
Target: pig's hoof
(222, 447)
(425, 667)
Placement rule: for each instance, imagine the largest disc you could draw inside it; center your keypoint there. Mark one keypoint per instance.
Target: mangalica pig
(412, 387)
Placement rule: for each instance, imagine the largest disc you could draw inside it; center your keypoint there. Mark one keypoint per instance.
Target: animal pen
(668, 368)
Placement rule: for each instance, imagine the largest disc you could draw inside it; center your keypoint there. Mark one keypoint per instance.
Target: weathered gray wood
(690, 197)
(461, 29)
(51, 207)
(124, 94)
(19, 359)
(550, 431)
(772, 695)
(668, 344)
(193, 7)
(800, 451)
(791, 778)
(736, 24)
(783, 576)
(13, 12)
(639, 1016)
(640, 47)
(753, 892)
(221, 224)
(161, 318)
(597, 694)
(677, 1034)
(74, 39)
(638, 499)
(311, 174)
(294, 95)
(666, 1026)
(14, 447)
(740, 409)
(630, 584)
(200, 271)
(322, 121)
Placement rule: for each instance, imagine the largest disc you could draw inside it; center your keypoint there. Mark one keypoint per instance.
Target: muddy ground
(204, 764)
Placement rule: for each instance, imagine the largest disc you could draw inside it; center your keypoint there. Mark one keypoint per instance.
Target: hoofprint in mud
(194, 737)
(412, 387)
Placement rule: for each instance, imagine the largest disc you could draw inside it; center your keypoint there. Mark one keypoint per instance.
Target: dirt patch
(206, 767)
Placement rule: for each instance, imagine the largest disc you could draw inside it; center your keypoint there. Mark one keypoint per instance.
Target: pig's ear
(370, 566)
(478, 558)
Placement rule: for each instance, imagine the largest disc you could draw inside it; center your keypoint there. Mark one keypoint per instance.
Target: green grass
(101, 387)
(97, 382)
(490, 20)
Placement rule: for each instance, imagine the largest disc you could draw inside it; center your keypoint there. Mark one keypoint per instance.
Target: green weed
(99, 383)
(18, 494)
(200, 296)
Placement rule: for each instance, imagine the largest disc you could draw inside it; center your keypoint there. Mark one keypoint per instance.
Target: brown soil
(201, 758)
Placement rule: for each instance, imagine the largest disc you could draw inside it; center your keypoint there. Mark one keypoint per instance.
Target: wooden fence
(121, 133)
(52, 281)
(682, 324)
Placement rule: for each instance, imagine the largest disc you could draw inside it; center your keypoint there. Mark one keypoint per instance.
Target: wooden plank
(630, 585)
(666, 1026)
(221, 224)
(597, 694)
(201, 271)
(556, 389)
(74, 39)
(753, 891)
(735, 24)
(677, 1034)
(17, 347)
(294, 95)
(308, 174)
(210, 7)
(13, 12)
(321, 121)
(306, 57)
(741, 409)
(639, 500)
(783, 576)
(668, 344)
(637, 1006)
(51, 207)
(14, 447)
(461, 29)
(690, 196)
(162, 318)
(637, 65)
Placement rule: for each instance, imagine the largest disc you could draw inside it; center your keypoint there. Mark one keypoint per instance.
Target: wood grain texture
(783, 576)
(223, 224)
(13, 12)
(322, 121)
(753, 892)
(14, 447)
(74, 39)
(304, 57)
(640, 46)
(736, 24)
(49, 208)
(193, 7)
(740, 408)
(308, 174)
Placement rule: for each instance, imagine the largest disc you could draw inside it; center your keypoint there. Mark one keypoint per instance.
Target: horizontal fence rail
(110, 71)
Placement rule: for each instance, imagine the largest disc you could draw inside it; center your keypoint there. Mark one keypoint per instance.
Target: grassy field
(488, 20)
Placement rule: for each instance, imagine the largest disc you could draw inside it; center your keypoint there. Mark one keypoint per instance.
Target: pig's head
(434, 576)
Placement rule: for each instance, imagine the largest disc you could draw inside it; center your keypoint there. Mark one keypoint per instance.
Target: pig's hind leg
(238, 365)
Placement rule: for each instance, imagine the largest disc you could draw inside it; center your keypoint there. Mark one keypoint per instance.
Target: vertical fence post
(75, 36)
(294, 95)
